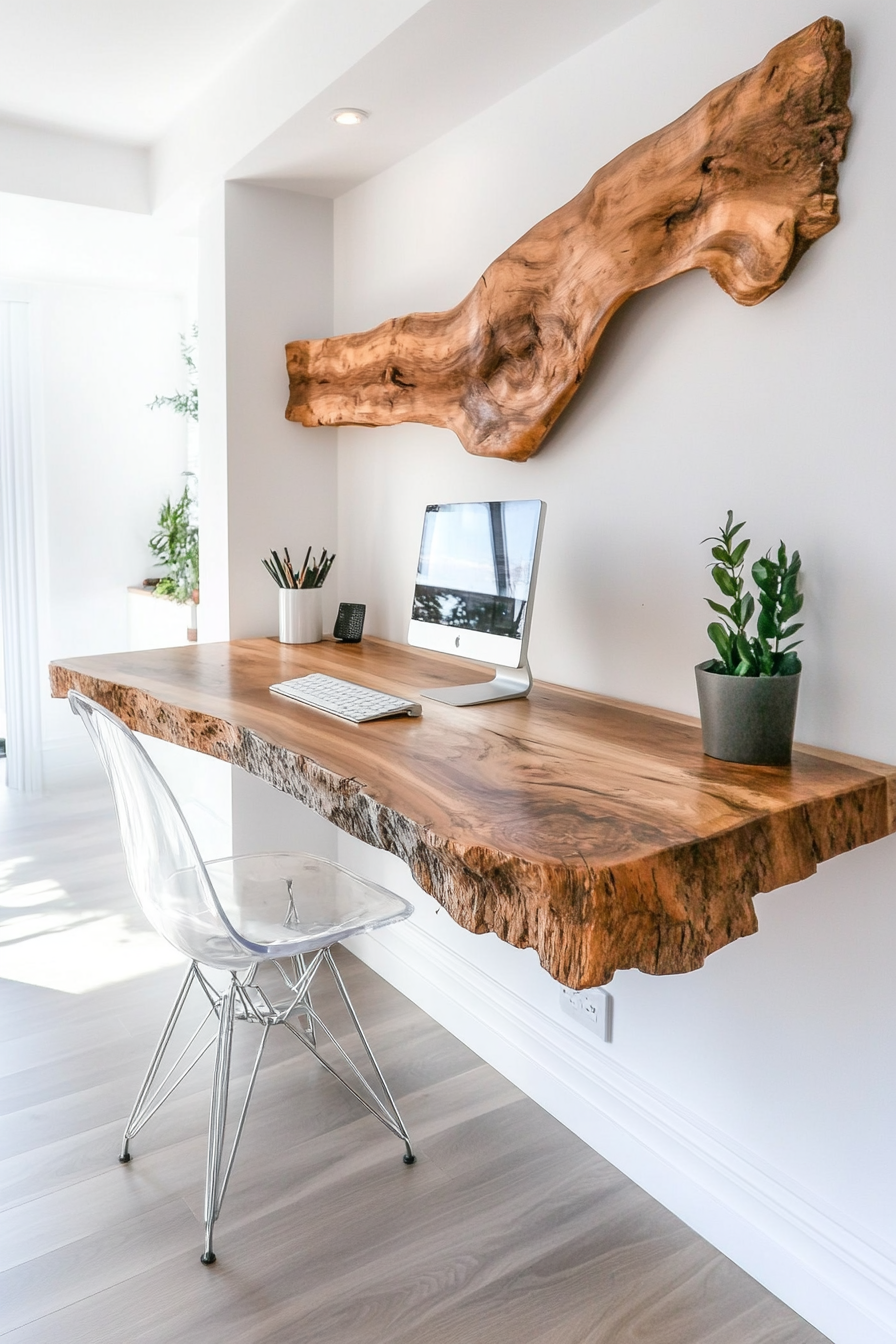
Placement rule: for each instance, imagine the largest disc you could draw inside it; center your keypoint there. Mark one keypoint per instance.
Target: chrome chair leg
(381, 1106)
(132, 1125)
(216, 1181)
(409, 1156)
(218, 1118)
(309, 1018)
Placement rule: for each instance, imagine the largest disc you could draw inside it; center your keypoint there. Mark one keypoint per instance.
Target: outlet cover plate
(591, 1008)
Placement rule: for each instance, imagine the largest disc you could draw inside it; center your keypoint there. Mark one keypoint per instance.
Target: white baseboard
(832, 1274)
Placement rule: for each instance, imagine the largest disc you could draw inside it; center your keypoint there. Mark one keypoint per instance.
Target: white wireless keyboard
(359, 704)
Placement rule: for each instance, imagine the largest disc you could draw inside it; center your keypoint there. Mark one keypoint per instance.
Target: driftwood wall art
(741, 186)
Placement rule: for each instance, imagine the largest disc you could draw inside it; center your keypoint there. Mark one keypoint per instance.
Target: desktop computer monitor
(475, 589)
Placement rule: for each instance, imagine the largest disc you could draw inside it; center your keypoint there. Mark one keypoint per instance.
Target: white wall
(47, 240)
(282, 481)
(108, 461)
(266, 276)
(109, 295)
(755, 1096)
(266, 483)
(80, 169)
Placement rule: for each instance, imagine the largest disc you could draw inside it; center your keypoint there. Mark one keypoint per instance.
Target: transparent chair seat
(272, 905)
(234, 915)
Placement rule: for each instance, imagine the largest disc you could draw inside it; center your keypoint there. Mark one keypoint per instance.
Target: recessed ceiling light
(349, 116)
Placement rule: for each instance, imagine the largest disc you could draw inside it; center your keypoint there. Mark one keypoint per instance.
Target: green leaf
(721, 554)
(724, 581)
(733, 531)
(744, 669)
(766, 625)
(745, 650)
(717, 606)
(747, 606)
(788, 665)
(763, 576)
(739, 551)
(722, 640)
(791, 630)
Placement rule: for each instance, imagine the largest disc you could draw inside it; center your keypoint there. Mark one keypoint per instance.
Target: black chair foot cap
(409, 1159)
(208, 1257)
(125, 1157)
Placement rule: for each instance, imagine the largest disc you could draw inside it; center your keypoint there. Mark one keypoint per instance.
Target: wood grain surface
(592, 830)
(740, 186)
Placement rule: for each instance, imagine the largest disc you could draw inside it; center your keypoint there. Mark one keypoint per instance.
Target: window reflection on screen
(475, 565)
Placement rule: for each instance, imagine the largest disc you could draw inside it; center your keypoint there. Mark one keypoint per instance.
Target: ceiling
(196, 91)
(120, 70)
(447, 62)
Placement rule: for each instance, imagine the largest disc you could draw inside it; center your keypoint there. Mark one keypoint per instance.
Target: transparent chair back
(230, 912)
(164, 866)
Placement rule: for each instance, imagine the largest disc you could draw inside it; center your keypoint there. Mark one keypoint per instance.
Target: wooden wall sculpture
(741, 186)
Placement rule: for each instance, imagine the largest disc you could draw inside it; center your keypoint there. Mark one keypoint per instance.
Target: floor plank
(508, 1230)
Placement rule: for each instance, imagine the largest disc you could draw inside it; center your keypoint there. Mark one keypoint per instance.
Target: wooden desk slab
(592, 830)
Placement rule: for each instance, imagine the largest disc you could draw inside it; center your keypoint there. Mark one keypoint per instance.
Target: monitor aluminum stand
(509, 683)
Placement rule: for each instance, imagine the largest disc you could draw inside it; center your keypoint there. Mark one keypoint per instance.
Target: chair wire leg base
(246, 999)
(382, 1107)
(216, 1179)
(409, 1156)
(132, 1126)
(217, 1118)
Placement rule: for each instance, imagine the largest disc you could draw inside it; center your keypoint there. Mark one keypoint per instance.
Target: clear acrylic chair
(239, 916)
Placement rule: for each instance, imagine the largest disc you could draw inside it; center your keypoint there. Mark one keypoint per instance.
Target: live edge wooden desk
(593, 830)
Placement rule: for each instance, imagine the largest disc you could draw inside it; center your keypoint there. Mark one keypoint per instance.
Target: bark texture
(593, 831)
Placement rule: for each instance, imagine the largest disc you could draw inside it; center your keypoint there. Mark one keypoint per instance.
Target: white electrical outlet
(591, 1008)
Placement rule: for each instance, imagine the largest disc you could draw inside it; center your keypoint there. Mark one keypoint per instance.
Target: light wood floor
(508, 1230)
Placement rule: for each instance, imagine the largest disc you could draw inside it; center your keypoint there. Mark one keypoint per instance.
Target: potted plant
(175, 546)
(748, 694)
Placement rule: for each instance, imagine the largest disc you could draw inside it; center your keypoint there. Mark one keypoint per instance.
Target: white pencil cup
(300, 616)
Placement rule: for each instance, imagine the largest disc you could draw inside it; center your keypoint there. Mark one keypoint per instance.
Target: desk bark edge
(662, 913)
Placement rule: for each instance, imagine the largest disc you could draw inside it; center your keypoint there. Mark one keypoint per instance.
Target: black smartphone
(349, 622)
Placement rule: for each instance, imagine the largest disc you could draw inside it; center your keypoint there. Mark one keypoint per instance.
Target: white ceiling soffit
(450, 60)
(119, 70)
(245, 90)
(311, 44)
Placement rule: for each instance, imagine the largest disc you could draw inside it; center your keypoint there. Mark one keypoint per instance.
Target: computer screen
(476, 579)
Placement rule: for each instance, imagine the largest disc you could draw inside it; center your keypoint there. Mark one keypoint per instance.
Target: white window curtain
(18, 584)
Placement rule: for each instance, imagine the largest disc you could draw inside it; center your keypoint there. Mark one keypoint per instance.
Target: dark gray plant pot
(747, 719)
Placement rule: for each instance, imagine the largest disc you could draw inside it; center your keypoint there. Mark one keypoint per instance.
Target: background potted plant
(175, 546)
(748, 694)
